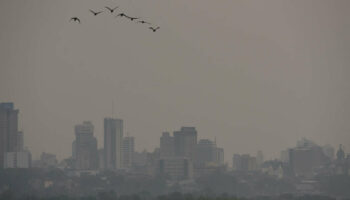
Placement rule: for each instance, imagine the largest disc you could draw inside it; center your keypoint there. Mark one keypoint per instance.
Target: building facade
(167, 145)
(128, 151)
(175, 168)
(185, 142)
(113, 143)
(86, 157)
(8, 130)
(18, 159)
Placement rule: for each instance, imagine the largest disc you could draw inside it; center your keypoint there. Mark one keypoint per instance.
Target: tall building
(8, 130)
(206, 152)
(86, 157)
(167, 146)
(113, 142)
(185, 142)
(128, 151)
(306, 157)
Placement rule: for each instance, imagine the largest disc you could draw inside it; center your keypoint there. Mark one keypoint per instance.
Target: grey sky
(255, 74)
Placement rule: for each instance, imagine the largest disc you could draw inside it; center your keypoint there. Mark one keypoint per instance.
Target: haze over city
(257, 75)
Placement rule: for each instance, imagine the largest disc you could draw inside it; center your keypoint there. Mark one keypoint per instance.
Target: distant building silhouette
(185, 142)
(128, 151)
(11, 140)
(304, 158)
(206, 152)
(113, 141)
(20, 141)
(18, 159)
(85, 147)
(167, 145)
(340, 153)
(244, 162)
(220, 159)
(47, 160)
(259, 158)
(175, 168)
(101, 159)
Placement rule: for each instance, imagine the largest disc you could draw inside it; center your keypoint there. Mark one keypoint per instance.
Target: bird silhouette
(131, 18)
(111, 9)
(143, 22)
(121, 15)
(154, 29)
(75, 19)
(95, 13)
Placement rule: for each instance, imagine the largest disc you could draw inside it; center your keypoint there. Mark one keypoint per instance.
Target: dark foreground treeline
(8, 195)
(59, 184)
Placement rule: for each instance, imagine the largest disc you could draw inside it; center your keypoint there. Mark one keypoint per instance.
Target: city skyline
(255, 75)
(119, 149)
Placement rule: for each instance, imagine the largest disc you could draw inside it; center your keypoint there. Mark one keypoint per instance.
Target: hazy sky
(258, 75)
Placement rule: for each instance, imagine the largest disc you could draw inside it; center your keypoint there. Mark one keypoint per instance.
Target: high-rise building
(113, 142)
(304, 158)
(86, 157)
(8, 130)
(185, 142)
(128, 152)
(205, 152)
(167, 146)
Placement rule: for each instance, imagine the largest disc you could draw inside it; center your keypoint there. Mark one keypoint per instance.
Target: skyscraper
(128, 151)
(304, 158)
(185, 142)
(113, 141)
(167, 147)
(86, 157)
(205, 152)
(8, 130)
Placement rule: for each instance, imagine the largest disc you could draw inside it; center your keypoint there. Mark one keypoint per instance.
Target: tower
(113, 142)
(8, 130)
(85, 147)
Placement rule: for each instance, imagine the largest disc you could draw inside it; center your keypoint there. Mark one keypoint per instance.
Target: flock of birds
(123, 15)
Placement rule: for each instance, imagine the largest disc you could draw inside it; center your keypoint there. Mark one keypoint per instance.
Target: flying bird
(154, 29)
(111, 9)
(121, 15)
(95, 13)
(131, 18)
(75, 19)
(143, 22)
